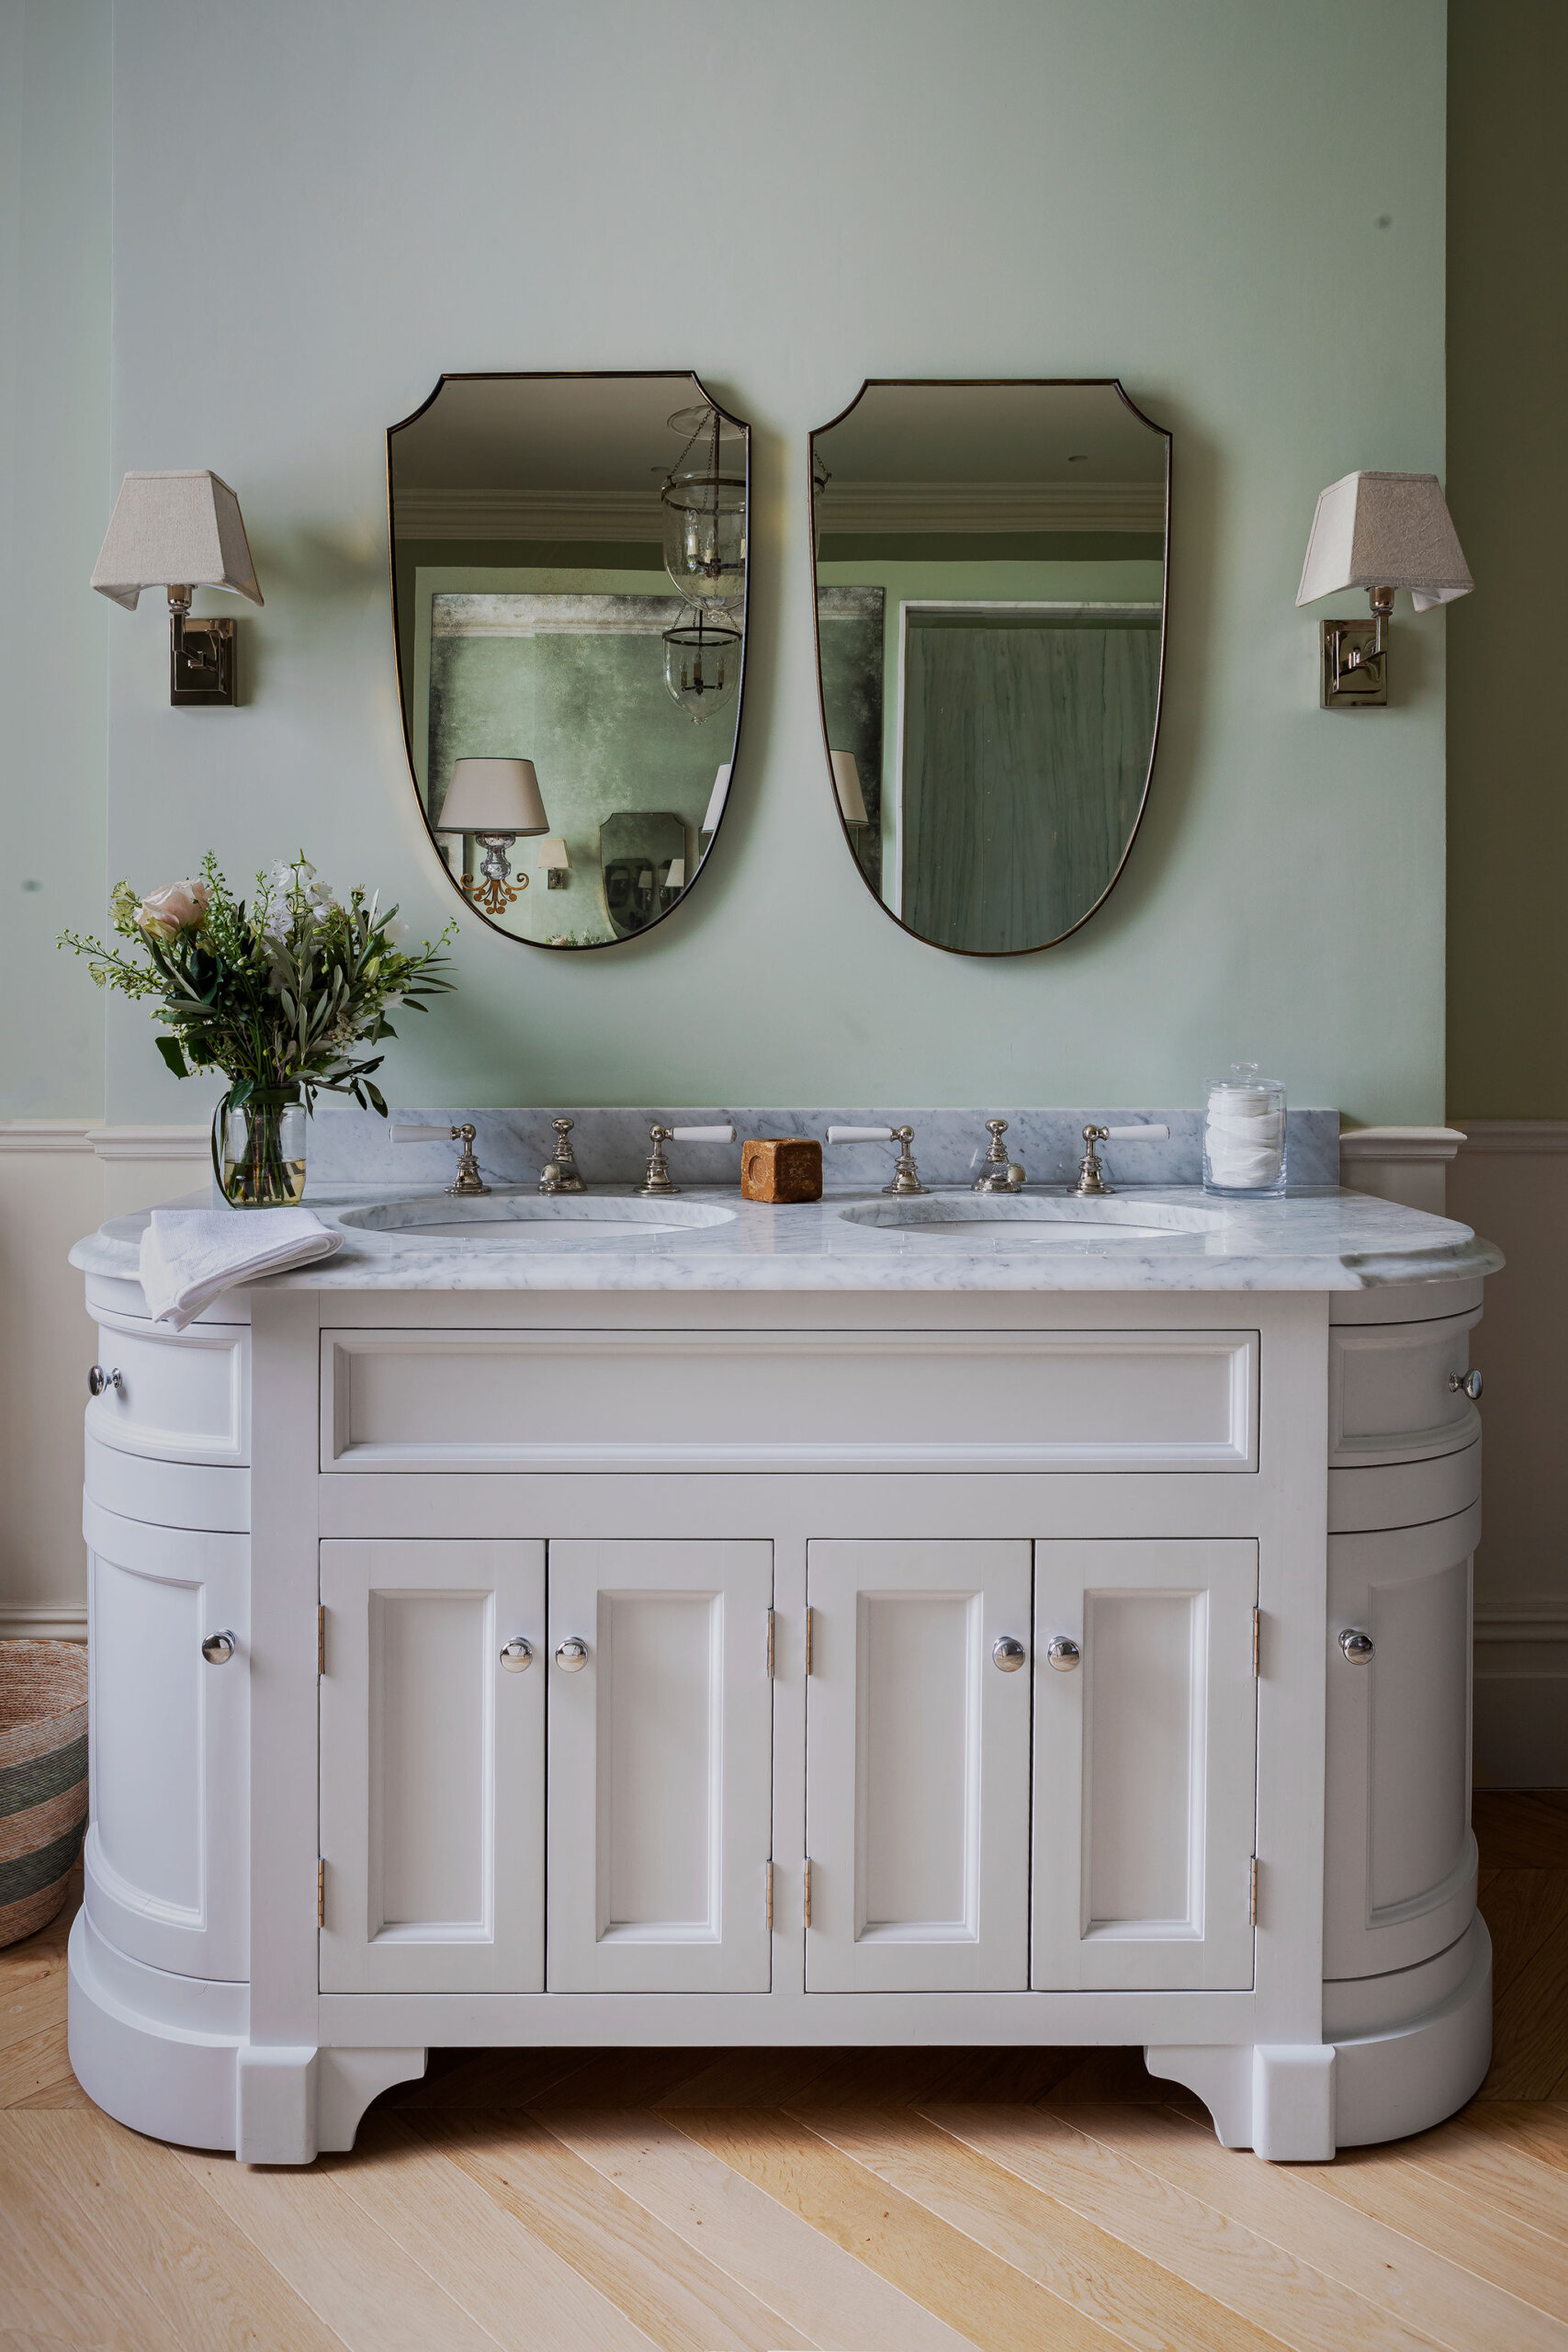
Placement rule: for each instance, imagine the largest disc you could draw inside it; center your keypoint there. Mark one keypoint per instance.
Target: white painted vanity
(827, 1624)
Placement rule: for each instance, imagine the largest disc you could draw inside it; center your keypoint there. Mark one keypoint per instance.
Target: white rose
(178, 906)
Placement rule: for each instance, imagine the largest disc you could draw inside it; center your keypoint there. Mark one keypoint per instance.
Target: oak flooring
(913, 2200)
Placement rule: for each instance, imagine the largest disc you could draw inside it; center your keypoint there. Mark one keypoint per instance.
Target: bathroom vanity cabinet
(503, 1663)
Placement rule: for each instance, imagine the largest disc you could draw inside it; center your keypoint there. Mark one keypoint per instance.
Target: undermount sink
(1059, 1220)
(513, 1221)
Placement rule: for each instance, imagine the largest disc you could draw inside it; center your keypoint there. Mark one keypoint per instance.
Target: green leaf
(170, 1050)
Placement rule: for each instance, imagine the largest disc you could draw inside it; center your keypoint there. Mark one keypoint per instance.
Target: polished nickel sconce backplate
(202, 658)
(1354, 658)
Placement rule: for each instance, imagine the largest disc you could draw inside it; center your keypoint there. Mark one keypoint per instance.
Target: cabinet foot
(1276, 2098)
(293, 2104)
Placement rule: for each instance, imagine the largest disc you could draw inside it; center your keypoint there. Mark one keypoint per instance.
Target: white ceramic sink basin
(527, 1220)
(1056, 1220)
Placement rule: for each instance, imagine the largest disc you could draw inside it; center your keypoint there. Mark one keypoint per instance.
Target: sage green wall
(1508, 486)
(1182, 195)
(55, 505)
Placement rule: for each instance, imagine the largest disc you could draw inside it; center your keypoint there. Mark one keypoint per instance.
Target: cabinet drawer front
(168, 1494)
(167, 1867)
(1400, 1861)
(1145, 1763)
(789, 1401)
(1388, 1398)
(917, 1774)
(661, 1766)
(431, 1768)
(184, 1395)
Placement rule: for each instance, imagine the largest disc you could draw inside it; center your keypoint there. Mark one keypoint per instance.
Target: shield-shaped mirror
(569, 592)
(991, 563)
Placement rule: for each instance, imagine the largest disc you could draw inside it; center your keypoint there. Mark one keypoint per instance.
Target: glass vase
(263, 1153)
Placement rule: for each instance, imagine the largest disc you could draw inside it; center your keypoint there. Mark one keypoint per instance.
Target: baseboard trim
(1521, 1135)
(51, 1621)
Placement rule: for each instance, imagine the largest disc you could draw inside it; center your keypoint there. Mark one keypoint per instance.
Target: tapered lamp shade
(1384, 531)
(716, 799)
(172, 529)
(552, 853)
(493, 796)
(676, 878)
(846, 777)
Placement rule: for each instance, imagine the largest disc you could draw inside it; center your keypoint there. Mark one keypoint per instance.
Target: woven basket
(43, 1779)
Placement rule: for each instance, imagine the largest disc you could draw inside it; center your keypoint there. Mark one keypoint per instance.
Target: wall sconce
(556, 862)
(1379, 532)
(181, 532)
(846, 781)
(494, 801)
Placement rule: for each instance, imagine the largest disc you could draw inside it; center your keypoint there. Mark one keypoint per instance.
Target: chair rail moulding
(1515, 1134)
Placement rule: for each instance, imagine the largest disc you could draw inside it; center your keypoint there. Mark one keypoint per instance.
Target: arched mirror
(569, 591)
(991, 633)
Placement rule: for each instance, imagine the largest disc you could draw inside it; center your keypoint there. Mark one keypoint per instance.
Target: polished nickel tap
(1091, 1180)
(656, 1184)
(905, 1175)
(999, 1173)
(562, 1174)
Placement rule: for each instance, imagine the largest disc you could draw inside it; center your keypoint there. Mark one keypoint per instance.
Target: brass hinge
(769, 1662)
(321, 1892)
(1256, 1640)
(808, 1890)
(810, 1628)
(768, 1870)
(1252, 1896)
(320, 1640)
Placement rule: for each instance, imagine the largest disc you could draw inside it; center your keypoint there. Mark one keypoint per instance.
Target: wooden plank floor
(904, 2201)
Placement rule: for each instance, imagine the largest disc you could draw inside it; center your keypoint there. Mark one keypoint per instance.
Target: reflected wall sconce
(846, 779)
(674, 881)
(495, 800)
(1380, 532)
(181, 532)
(557, 863)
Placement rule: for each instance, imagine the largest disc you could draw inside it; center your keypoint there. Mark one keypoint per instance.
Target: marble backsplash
(351, 1147)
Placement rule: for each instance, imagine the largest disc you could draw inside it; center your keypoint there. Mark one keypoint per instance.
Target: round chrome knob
(1063, 1654)
(518, 1656)
(98, 1380)
(1468, 1383)
(573, 1655)
(217, 1648)
(1356, 1646)
(1008, 1654)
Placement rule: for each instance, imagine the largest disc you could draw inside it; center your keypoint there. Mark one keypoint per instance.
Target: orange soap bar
(781, 1167)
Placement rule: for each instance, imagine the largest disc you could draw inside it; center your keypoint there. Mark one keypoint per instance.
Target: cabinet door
(661, 1766)
(167, 1852)
(916, 1785)
(1145, 1765)
(432, 1756)
(1399, 1866)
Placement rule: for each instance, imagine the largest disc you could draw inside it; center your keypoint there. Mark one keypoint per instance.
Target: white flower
(178, 906)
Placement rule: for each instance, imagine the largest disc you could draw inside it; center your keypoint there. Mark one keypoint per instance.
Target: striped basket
(43, 1779)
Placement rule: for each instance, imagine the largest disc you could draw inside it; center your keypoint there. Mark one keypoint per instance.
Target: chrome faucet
(1092, 1181)
(656, 1184)
(467, 1182)
(999, 1173)
(562, 1174)
(905, 1175)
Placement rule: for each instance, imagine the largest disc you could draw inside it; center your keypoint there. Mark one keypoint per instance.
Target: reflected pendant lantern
(702, 663)
(704, 499)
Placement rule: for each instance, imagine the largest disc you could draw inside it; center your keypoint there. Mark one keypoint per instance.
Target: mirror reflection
(569, 572)
(990, 627)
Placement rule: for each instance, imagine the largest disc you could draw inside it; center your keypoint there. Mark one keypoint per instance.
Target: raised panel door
(1145, 1765)
(433, 1752)
(660, 1775)
(918, 1767)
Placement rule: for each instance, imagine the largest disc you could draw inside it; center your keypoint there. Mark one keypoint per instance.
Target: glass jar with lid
(1244, 1133)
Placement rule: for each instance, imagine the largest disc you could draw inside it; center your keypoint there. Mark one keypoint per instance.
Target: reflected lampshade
(552, 853)
(846, 777)
(1384, 531)
(175, 529)
(716, 799)
(676, 878)
(493, 796)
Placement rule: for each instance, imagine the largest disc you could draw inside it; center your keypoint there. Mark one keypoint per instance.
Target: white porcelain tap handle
(700, 1135)
(860, 1135)
(1136, 1135)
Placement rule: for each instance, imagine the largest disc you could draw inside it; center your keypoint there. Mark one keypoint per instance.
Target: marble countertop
(1321, 1239)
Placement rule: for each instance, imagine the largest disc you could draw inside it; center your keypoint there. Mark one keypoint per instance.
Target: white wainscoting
(59, 1178)
(1510, 1181)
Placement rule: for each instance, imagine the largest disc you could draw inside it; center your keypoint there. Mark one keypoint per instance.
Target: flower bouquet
(281, 995)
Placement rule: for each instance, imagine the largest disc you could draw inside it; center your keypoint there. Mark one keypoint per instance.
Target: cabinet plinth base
(1298, 2103)
(171, 2056)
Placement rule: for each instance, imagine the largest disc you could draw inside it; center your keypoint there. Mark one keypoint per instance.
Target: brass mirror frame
(684, 376)
(949, 383)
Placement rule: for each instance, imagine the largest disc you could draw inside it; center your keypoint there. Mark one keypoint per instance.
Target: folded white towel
(188, 1256)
